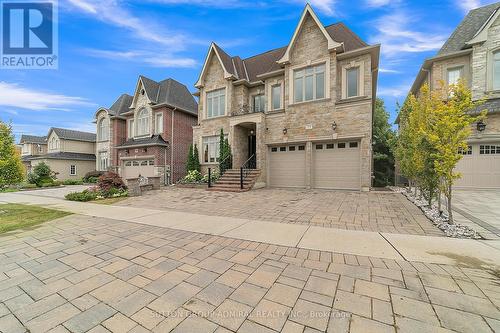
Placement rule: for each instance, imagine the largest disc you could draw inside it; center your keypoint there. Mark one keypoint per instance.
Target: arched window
(53, 143)
(143, 122)
(103, 129)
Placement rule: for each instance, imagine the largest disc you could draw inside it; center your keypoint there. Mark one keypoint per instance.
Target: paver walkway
(92, 274)
(350, 210)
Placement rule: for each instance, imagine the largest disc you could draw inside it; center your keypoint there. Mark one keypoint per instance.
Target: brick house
(148, 133)
(472, 53)
(303, 112)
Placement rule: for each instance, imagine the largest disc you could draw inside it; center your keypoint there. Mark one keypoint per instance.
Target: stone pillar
(261, 150)
(309, 147)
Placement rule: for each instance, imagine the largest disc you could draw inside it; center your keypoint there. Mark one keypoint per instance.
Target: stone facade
(305, 122)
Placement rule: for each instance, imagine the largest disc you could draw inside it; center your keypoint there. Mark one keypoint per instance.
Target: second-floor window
(54, 143)
(130, 128)
(276, 97)
(454, 75)
(258, 103)
(216, 103)
(352, 78)
(103, 129)
(309, 83)
(496, 70)
(143, 122)
(159, 123)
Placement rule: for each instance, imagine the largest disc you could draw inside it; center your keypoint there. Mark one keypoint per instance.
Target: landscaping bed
(109, 185)
(17, 216)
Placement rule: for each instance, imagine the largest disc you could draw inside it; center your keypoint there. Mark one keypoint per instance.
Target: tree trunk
(439, 203)
(450, 214)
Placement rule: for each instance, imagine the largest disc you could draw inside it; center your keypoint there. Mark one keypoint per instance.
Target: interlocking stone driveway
(367, 211)
(84, 274)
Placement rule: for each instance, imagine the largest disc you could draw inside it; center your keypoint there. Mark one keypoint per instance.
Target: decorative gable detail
(308, 11)
(140, 94)
(213, 52)
(482, 34)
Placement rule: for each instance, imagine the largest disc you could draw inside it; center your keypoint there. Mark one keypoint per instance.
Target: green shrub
(73, 182)
(92, 176)
(86, 195)
(110, 180)
(91, 180)
(41, 174)
(214, 175)
(26, 186)
(193, 176)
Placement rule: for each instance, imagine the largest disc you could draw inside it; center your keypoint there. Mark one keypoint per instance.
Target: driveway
(350, 210)
(93, 274)
(58, 192)
(480, 209)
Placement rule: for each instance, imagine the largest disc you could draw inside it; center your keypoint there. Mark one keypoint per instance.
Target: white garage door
(336, 165)
(287, 167)
(134, 168)
(480, 166)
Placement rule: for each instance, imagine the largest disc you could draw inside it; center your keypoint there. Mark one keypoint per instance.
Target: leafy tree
(41, 174)
(383, 140)
(11, 167)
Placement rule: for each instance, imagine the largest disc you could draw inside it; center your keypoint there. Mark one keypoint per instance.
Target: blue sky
(105, 44)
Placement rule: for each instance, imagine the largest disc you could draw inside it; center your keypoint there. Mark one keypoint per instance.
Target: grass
(8, 190)
(109, 201)
(16, 216)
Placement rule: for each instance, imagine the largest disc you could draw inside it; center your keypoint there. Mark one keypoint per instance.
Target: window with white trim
(467, 151)
(211, 145)
(216, 103)
(496, 70)
(72, 170)
(352, 82)
(276, 97)
(309, 83)
(454, 75)
(258, 103)
(103, 161)
(103, 129)
(130, 130)
(143, 122)
(489, 150)
(159, 123)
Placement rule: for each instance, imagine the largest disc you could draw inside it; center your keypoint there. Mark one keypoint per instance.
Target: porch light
(251, 132)
(481, 126)
(334, 126)
(285, 131)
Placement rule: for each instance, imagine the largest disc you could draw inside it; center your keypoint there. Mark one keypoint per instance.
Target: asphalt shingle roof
(468, 28)
(121, 105)
(33, 139)
(66, 156)
(149, 141)
(68, 134)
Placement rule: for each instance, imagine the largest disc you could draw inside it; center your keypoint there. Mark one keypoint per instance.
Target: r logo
(27, 28)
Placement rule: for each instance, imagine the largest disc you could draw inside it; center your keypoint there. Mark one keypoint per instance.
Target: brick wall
(118, 136)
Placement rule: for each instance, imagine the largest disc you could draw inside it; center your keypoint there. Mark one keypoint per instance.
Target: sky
(104, 45)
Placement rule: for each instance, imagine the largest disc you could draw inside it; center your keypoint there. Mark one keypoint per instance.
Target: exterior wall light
(481, 126)
(285, 131)
(334, 126)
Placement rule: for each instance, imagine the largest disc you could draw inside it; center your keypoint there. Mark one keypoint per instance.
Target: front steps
(230, 181)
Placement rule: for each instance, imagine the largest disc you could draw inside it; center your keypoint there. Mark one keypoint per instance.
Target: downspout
(172, 145)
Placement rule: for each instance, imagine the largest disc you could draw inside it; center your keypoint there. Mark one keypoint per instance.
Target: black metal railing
(225, 164)
(246, 168)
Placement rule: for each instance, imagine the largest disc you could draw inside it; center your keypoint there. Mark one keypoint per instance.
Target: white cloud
(394, 91)
(396, 36)
(16, 96)
(145, 57)
(467, 5)
(388, 70)
(378, 3)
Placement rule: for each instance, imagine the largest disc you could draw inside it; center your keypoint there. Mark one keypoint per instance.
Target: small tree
(41, 174)
(190, 160)
(196, 159)
(383, 139)
(11, 167)
(225, 156)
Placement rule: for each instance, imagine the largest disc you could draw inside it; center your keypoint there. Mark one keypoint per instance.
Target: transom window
(143, 122)
(103, 160)
(309, 83)
(467, 151)
(103, 129)
(276, 97)
(211, 146)
(352, 82)
(454, 74)
(159, 123)
(489, 149)
(72, 170)
(258, 103)
(496, 70)
(216, 103)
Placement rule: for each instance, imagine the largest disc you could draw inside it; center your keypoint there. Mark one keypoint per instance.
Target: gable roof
(68, 134)
(468, 28)
(250, 68)
(33, 139)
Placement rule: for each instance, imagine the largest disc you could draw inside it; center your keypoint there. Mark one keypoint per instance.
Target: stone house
(303, 112)
(472, 53)
(32, 146)
(149, 133)
(69, 153)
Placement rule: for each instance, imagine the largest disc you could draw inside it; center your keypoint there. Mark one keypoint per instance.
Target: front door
(252, 150)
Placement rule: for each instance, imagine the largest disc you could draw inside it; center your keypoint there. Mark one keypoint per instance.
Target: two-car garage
(480, 166)
(333, 165)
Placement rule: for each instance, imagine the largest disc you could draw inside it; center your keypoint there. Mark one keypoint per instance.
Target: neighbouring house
(302, 112)
(149, 133)
(32, 146)
(472, 53)
(69, 153)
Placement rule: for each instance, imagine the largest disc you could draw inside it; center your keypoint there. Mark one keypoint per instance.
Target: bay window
(216, 103)
(309, 83)
(276, 97)
(143, 122)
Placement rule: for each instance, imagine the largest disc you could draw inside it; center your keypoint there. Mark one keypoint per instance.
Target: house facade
(32, 146)
(303, 112)
(69, 153)
(149, 133)
(472, 53)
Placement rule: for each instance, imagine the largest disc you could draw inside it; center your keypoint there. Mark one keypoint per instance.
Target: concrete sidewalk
(382, 245)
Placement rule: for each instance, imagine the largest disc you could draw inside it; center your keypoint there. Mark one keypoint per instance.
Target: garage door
(336, 165)
(134, 168)
(480, 166)
(287, 167)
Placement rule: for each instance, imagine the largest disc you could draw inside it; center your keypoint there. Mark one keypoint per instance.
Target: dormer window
(142, 122)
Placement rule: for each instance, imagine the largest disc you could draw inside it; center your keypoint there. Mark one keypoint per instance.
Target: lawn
(109, 201)
(16, 216)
